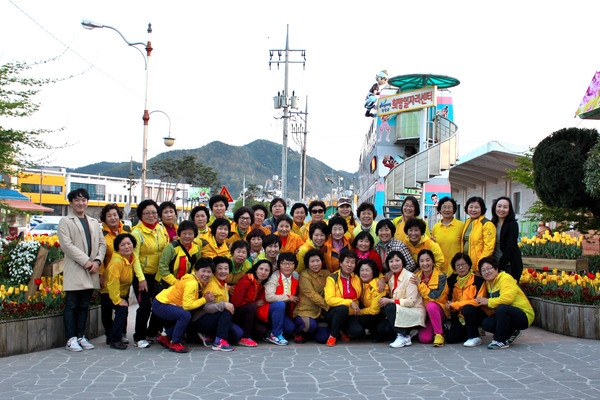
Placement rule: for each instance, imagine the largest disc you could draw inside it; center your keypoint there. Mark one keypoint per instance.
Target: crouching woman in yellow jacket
(176, 302)
(513, 312)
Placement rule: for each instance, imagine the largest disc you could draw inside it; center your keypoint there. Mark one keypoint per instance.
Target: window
(517, 202)
(35, 188)
(96, 192)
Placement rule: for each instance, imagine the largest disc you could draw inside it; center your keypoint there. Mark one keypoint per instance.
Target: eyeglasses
(485, 270)
(245, 218)
(149, 213)
(461, 265)
(287, 264)
(317, 211)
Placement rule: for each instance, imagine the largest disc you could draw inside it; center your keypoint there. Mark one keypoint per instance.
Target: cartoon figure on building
(389, 161)
(374, 92)
(384, 127)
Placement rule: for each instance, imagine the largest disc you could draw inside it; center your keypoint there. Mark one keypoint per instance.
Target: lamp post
(146, 116)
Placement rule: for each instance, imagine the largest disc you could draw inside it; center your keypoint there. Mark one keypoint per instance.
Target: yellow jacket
(505, 290)
(292, 243)
(306, 246)
(184, 293)
(235, 234)
(311, 290)
(370, 297)
(172, 254)
(221, 291)
(150, 245)
(109, 238)
(426, 243)
(334, 290)
(118, 277)
(482, 239)
(211, 249)
(332, 257)
(449, 238)
(435, 290)
(305, 229)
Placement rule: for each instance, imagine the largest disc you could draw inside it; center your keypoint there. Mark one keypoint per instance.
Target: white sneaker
(399, 342)
(407, 341)
(83, 342)
(141, 344)
(473, 342)
(73, 345)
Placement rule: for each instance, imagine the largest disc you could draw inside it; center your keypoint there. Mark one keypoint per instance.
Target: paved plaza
(540, 365)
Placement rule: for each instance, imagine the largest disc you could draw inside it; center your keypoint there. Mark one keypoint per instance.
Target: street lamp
(146, 117)
(167, 140)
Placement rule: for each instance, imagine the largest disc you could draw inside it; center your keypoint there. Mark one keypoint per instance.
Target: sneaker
(495, 345)
(298, 338)
(222, 346)
(512, 337)
(399, 342)
(278, 340)
(331, 341)
(206, 341)
(124, 339)
(438, 340)
(247, 342)
(476, 341)
(142, 344)
(118, 345)
(344, 337)
(85, 345)
(163, 341)
(407, 340)
(73, 345)
(178, 348)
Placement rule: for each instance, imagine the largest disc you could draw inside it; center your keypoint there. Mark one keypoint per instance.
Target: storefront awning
(26, 205)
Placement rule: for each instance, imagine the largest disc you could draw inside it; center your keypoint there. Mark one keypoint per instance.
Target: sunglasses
(317, 211)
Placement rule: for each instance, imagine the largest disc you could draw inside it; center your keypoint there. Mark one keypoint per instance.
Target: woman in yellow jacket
(479, 233)
(151, 240)
(176, 302)
(243, 218)
(416, 241)
(410, 210)
(432, 287)
(337, 242)
(370, 310)
(118, 277)
(343, 290)
(319, 233)
(215, 243)
(513, 312)
(290, 242)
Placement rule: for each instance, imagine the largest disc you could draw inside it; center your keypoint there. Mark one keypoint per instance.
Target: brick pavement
(539, 365)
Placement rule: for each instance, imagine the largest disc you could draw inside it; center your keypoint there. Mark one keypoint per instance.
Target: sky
(523, 68)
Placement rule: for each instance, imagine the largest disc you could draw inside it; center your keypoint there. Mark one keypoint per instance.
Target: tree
(558, 169)
(186, 170)
(16, 101)
(592, 172)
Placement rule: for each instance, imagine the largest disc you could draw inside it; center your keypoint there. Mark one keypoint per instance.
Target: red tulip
(530, 270)
(545, 268)
(534, 274)
(38, 281)
(576, 277)
(591, 275)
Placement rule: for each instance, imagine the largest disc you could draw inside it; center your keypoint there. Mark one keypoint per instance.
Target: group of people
(270, 276)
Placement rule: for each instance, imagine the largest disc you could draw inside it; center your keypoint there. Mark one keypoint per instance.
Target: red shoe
(163, 341)
(344, 337)
(178, 348)
(299, 338)
(330, 341)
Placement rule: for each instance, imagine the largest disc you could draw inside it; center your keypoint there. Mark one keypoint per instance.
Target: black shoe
(118, 345)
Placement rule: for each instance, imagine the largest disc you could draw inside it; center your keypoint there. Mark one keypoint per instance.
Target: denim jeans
(77, 305)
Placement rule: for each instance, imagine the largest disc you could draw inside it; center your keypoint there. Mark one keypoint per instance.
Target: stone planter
(27, 335)
(567, 319)
(560, 264)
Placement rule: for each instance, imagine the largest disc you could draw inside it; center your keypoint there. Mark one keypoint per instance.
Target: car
(45, 228)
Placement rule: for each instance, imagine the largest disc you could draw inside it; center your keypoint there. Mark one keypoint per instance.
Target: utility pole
(297, 130)
(281, 101)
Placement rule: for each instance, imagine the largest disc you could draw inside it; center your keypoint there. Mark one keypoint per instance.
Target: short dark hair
(204, 262)
(240, 244)
(366, 206)
(315, 203)
(385, 223)
(143, 205)
(164, 205)
(262, 208)
(187, 225)
(297, 206)
(428, 252)
(338, 220)
(255, 233)
(312, 253)
(321, 225)
(445, 200)
(216, 199)
(461, 256)
(271, 239)
(120, 237)
(284, 217)
(415, 202)
(418, 222)
(275, 201)
(219, 222)
(80, 192)
(347, 253)
(241, 211)
(107, 208)
(488, 260)
(197, 209)
(257, 264)
(392, 254)
(287, 256)
(362, 235)
(478, 200)
(369, 262)
(220, 260)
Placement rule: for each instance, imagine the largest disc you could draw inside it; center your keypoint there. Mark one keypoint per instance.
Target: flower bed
(563, 287)
(576, 320)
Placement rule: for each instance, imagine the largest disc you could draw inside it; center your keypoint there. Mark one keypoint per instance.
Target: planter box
(562, 265)
(54, 269)
(567, 319)
(21, 336)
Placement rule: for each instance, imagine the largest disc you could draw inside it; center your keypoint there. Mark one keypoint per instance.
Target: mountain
(258, 162)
